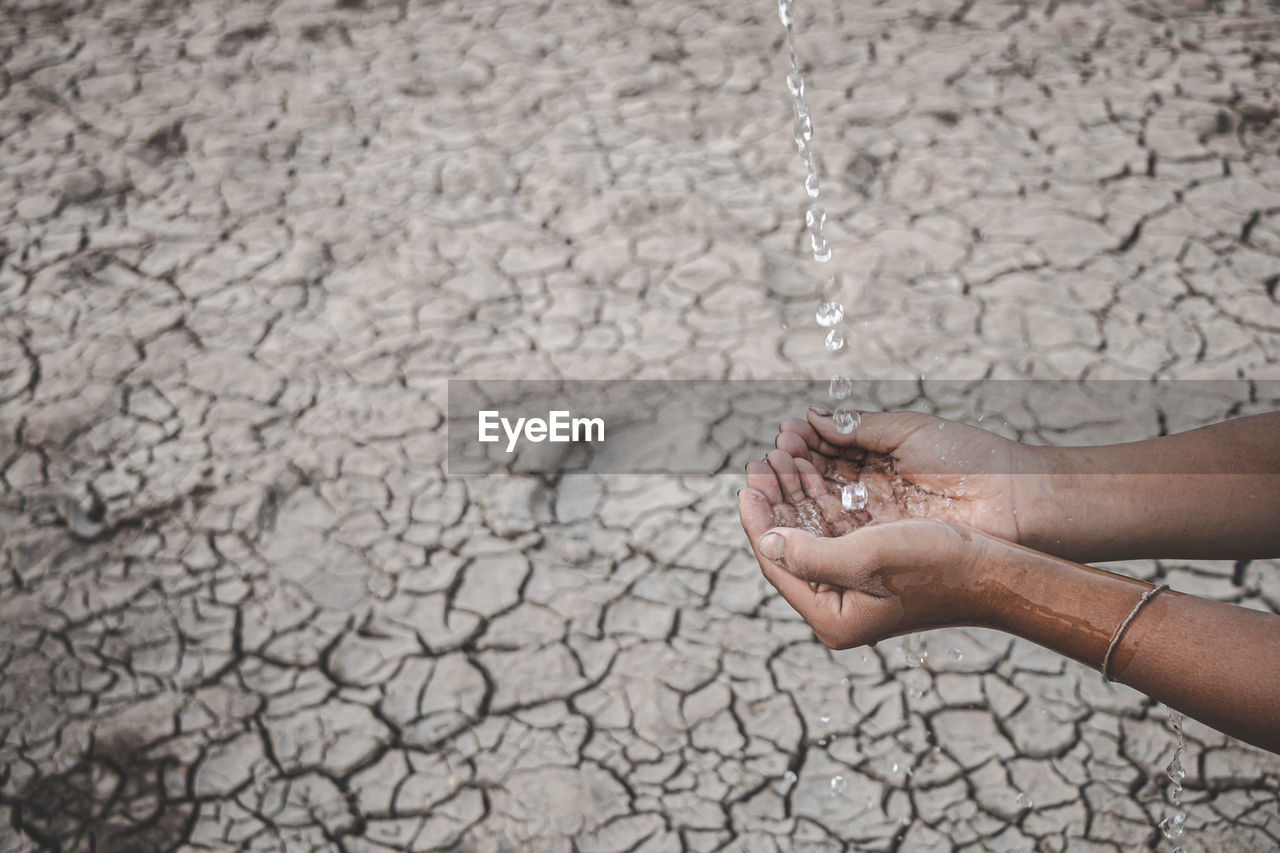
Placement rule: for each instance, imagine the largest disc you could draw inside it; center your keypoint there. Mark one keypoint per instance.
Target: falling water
(1173, 826)
(830, 312)
(829, 317)
(853, 496)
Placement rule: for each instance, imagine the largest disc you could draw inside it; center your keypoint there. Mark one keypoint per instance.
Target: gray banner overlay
(554, 427)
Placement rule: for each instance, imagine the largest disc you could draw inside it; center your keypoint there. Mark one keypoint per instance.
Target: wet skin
(913, 465)
(860, 577)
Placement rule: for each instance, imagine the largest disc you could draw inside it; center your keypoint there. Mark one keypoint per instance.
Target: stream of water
(853, 496)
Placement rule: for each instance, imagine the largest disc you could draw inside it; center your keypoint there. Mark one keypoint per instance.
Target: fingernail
(773, 546)
(822, 413)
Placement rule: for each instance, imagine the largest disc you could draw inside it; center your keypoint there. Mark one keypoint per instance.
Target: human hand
(913, 465)
(867, 583)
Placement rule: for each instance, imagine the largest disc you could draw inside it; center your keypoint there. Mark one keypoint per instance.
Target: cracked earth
(243, 245)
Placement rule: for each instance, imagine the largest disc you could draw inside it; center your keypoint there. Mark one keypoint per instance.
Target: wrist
(990, 576)
(963, 589)
(1069, 608)
(1049, 504)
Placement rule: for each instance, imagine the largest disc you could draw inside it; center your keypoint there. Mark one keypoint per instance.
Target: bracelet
(1124, 626)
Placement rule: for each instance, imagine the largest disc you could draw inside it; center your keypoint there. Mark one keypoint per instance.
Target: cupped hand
(856, 585)
(915, 466)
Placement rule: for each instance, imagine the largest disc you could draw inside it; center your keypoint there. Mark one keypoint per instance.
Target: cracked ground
(243, 245)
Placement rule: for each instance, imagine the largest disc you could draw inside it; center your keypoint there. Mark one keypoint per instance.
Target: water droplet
(804, 122)
(846, 420)
(815, 217)
(822, 251)
(894, 768)
(834, 340)
(840, 388)
(915, 692)
(916, 657)
(785, 14)
(853, 496)
(957, 654)
(811, 184)
(795, 84)
(829, 313)
(838, 785)
(904, 820)
(789, 777)
(1173, 827)
(825, 718)
(1023, 801)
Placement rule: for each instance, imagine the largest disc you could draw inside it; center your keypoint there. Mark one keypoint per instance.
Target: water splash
(835, 340)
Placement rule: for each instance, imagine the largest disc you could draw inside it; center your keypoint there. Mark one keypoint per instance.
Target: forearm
(1210, 493)
(1216, 662)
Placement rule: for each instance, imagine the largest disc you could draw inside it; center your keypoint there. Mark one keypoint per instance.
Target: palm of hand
(960, 475)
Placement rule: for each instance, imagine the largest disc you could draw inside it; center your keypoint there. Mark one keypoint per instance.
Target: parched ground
(244, 244)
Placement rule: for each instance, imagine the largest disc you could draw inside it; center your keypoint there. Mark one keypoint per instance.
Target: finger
(804, 430)
(753, 511)
(756, 515)
(784, 466)
(811, 480)
(846, 562)
(761, 478)
(838, 520)
(794, 443)
(880, 432)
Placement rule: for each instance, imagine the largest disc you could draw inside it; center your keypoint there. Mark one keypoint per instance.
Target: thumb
(817, 559)
(879, 432)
